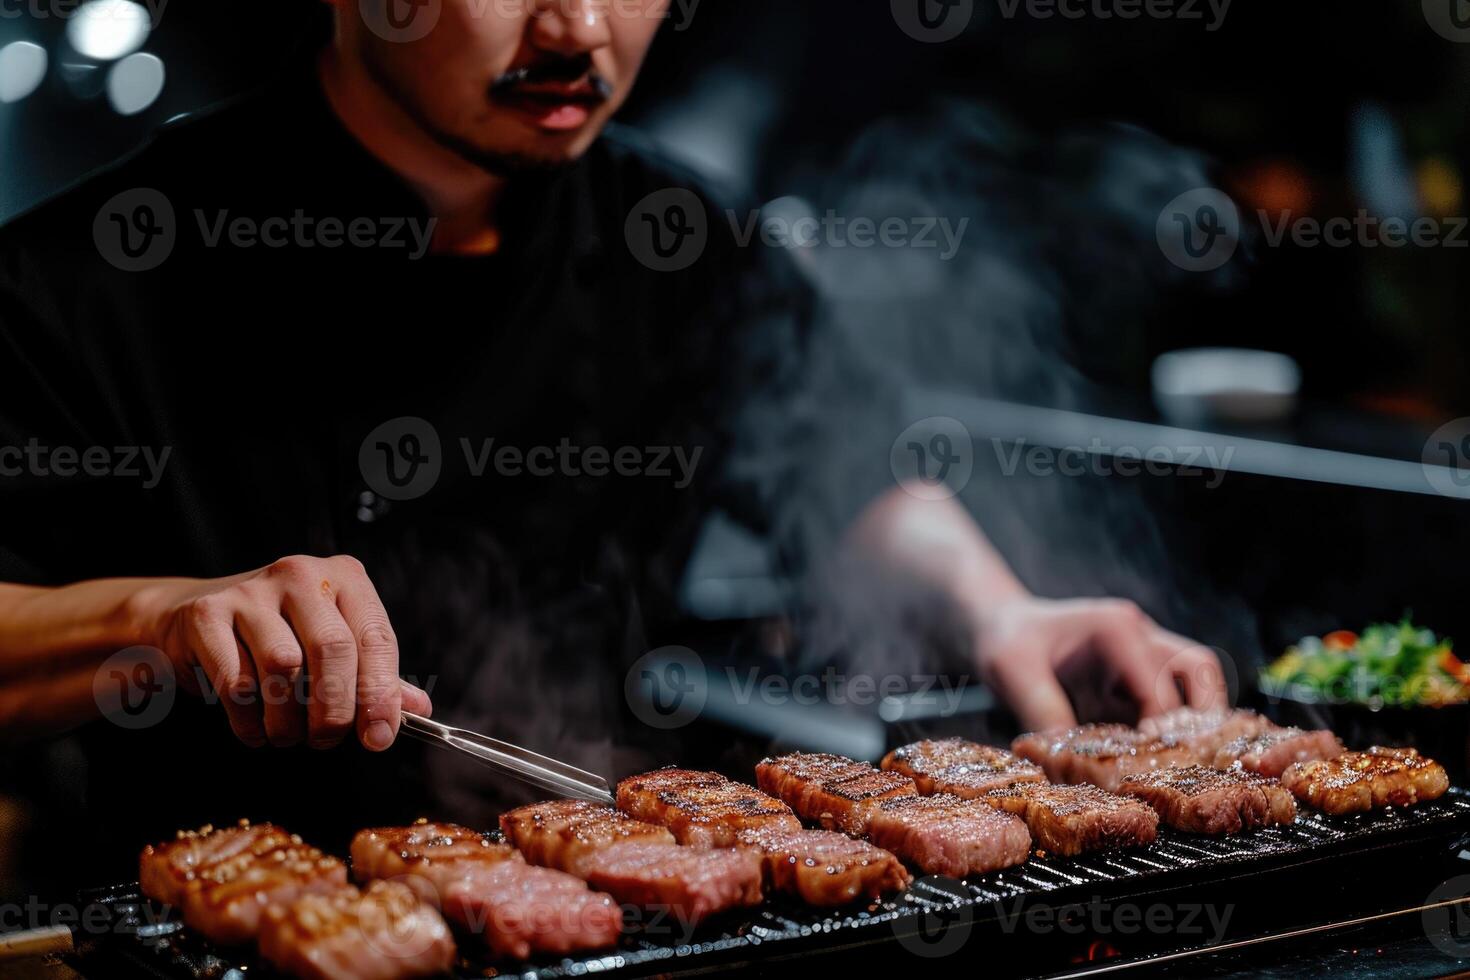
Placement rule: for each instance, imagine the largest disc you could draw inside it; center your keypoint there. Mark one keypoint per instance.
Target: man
(245, 303)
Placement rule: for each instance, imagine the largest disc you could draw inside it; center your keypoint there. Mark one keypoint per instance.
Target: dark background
(1017, 125)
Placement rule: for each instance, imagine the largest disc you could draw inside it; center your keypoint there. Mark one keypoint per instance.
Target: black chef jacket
(262, 371)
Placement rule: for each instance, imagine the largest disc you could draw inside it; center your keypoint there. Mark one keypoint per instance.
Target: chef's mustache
(554, 70)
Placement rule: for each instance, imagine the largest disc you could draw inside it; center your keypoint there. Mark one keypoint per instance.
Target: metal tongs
(514, 761)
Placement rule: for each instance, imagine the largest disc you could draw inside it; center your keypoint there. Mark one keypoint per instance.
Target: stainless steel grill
(1277, 879)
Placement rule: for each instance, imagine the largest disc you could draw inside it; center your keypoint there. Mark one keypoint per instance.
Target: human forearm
(249, 638)
(937, 543)
(1021, 641)
(40, 625)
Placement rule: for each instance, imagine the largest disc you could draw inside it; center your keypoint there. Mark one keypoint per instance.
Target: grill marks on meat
(225, 879)
(489, 890)
(824, 868)
(831, 790)
(1201, 800)
(1071, 820)
(691, 883)
(702, 809)
(637, 863)
(960, 767)
(520, 909)
(1099, 754)
(381, 933)
(942, 835)
(947, 835)
(165, 870)
(427, 857)
(1203, 732)
(1356, 782)
(1270, 752)
(563, 834)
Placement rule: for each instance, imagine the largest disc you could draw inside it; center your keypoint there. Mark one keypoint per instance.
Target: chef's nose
(570, 27)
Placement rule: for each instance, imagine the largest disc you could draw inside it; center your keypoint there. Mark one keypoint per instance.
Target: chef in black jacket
(248, 379)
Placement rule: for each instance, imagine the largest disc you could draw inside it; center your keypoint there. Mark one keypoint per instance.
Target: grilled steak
(1203, 732)
(487, 889)
(225, 901)
(1099, 754)
(164, 870)
(1355, 782)
(382, 933)
(946, 835)
(825, 868)
(561, 834)
(703, 809)
(960, 767)
(1270, 752)
(636, 863)
(520, 909)
(1201, 800)
(427, 857)
(831, 790)
(1070, 820)
(691, 883)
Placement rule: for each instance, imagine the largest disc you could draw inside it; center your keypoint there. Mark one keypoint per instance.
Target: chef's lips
(563, 74)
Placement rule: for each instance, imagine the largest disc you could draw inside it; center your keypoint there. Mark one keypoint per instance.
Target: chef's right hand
(252, 635)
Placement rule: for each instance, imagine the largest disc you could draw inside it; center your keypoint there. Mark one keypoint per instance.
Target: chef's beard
(501, 163)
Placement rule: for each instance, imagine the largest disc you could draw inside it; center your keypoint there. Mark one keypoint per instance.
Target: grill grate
(1175, 861)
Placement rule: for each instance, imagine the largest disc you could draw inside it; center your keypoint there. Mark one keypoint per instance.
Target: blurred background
(1062, 141)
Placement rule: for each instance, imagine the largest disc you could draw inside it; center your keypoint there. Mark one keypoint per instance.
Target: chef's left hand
(1022, 642)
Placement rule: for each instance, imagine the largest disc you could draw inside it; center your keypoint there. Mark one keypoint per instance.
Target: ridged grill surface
(167, 951)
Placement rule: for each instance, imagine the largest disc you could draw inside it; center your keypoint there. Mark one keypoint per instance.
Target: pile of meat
(695, 844)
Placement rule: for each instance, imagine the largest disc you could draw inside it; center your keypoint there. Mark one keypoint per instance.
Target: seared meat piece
(1070, 820)
(520, 909)
(692, 883)
(636, 863)
(1099, 754)
(1359, 781)
(703, 809)
(561, 834)
(1202, 800)
(382, 933)
(1269, 753)
(487, 889)
(960, 767)
(831, 790)
(825, 868)
(945, 835)
(225, 901)
(1203, 732)
(164, 870)
(427, 857)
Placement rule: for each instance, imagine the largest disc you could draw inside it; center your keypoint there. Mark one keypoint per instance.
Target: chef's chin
(533, 151)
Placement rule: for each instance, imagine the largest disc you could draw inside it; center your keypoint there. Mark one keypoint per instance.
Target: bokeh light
(109, 29)
(22, 68)
(135, 83)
